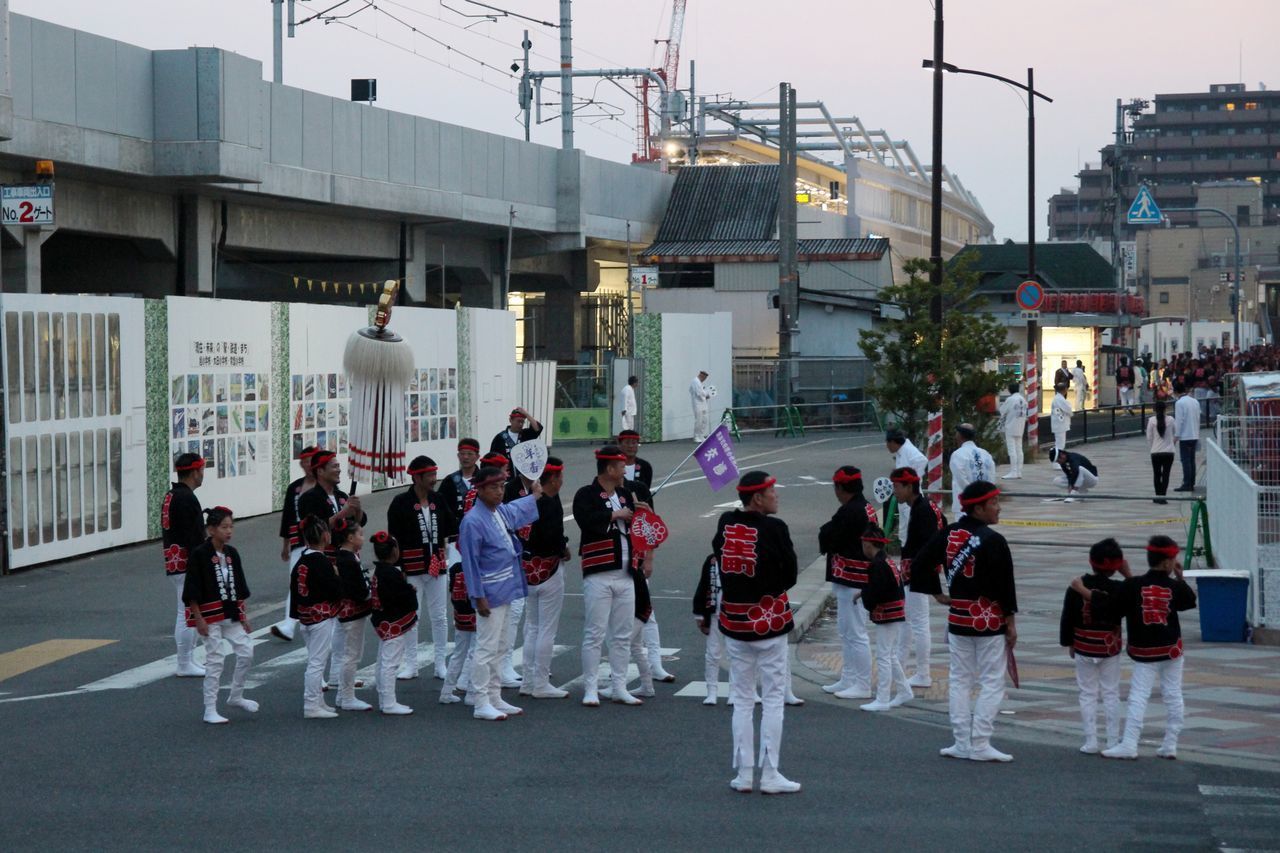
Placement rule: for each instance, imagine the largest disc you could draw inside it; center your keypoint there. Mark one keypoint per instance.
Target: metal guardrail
(1110, 422)
(832, 415)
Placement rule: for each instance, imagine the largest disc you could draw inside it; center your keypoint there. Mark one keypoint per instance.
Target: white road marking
(1234, 791)
(604, 672)
(698, 689)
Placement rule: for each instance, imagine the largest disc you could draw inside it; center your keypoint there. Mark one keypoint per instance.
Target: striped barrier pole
(1033, 407)
(933, 450)
(1097, 362)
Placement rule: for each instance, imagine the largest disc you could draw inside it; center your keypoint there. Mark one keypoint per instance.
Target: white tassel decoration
(379, 366)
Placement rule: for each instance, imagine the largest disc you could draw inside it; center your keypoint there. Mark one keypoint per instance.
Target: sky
(860, 58)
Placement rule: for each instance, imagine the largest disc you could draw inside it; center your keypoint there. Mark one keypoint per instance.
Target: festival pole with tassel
(379, 366)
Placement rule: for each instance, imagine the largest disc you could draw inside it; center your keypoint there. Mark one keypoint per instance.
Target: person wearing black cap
(757, 566)
(216, 591)
(182, 528)
(975, 563)
(699, 397)
(841, 540)
(421, 521)
(515, 432)
(290, 542)
(603, 510)
(456, 490)
(1079, 474)
(925, 520)
(1092, 638)
(969, 464)
(1150, 605)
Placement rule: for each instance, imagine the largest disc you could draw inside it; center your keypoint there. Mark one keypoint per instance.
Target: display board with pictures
(220, 397)
(431, 405)
(319, 411)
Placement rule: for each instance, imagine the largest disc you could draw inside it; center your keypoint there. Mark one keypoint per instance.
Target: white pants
(628, 421)
(347, 661)
(713, 657)
(319, 640)
(700, 419)
(915, 634)
(241, 646)
(851, 623)
(890, 679)
(609, 599)
(765, 661)
(1099, 677)
(541, 618)
(1126, 396)
(1080, 394)
(390, 656)
(1013, 443)
(639, 654)
(1141, 683)
(286, 625)
(652, 640)
(460, 662)
(491, 645)
(183, 637)
(514, 611)
(975, 662)
(1060, 439)
(433, 607)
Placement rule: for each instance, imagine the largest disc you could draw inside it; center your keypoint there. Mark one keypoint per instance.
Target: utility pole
(935, 212)
(1033, 326)
(506, 272)
(693, 116)
(631, 296)
(526, 90)
(277, 40)
(788, 277)
(566, 76)
(1117, 263)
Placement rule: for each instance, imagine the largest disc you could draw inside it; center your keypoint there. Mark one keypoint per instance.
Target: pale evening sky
(860, 58)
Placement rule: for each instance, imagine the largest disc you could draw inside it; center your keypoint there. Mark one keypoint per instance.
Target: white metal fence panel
(75, 424)
(1233, 519)
(536, 392)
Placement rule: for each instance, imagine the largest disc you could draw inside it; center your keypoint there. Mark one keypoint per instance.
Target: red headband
(907, 476)
(380, 537)
(322, 457)
(551, 469)
(1111, 564)
(879, 540)
(469, 444)
(758, 487)
(425, 469)
(628, 433)
(610, 457)
(307, 454)
(497, 460)
(980, 499)
(845, 477)
(499, 477)
(1164, 550)
(194, 466)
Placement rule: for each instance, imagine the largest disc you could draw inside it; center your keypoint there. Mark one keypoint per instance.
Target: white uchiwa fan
(379, 366)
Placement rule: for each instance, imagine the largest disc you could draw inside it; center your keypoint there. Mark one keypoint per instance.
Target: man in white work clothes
(1013, 415)
(698, 396)
(1060, 416)
(905, 455)
(1081, 384)
(629, 407)
(969, 464)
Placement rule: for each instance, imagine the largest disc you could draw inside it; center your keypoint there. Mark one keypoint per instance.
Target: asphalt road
(134, 768)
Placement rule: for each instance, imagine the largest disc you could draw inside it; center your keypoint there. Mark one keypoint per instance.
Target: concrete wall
(833, 333)
(864, 277)
(693, 342)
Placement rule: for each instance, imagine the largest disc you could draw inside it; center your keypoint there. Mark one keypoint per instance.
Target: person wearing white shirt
(1082, 385)
(1013, 415)
(1186, 416)
(969, 464)
(698, 396)
(916, 638)
(1060, 417)
(1162, 435)
(629, 408)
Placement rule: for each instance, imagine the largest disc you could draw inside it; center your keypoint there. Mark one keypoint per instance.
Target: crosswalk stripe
(1236, 791)
(698, 689)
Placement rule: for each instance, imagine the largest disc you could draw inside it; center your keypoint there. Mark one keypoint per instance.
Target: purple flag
(715, 455)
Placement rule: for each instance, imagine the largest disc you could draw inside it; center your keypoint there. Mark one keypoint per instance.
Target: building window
(1164, 297)
(1229, 106)
(1250, 105)
(1242, 214)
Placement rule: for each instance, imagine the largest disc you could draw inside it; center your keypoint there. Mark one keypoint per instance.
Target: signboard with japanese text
(26, 206)
(211, 352)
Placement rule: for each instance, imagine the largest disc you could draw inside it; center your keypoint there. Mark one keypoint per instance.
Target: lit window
(1229, 106)
(1250, 105)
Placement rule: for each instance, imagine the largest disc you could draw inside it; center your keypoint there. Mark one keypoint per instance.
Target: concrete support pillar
(200, 236)
(560, 330)
(21, 269)
(415, 275)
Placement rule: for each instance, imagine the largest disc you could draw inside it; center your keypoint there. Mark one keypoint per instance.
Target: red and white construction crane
(646, 150)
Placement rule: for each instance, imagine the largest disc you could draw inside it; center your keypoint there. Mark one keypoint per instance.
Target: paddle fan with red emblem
(648, 531)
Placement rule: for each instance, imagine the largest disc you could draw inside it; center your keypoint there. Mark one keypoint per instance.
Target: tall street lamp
(1033, 332)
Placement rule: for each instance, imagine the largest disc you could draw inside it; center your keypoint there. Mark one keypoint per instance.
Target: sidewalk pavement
(1231, 690)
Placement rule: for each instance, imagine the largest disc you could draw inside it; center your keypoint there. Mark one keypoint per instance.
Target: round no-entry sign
(1030, 295)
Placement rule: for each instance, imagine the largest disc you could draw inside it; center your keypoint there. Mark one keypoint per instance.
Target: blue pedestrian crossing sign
(1144, 210)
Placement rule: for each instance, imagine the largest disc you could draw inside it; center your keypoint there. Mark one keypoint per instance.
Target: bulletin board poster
(220, 393)
(319, 396)
(431, 400)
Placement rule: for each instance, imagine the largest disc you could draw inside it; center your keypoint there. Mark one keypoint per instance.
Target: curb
(808, 598)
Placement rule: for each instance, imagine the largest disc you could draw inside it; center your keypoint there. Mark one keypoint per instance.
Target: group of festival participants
(492, 546)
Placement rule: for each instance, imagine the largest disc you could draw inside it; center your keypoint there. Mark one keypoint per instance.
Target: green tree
(912, 371)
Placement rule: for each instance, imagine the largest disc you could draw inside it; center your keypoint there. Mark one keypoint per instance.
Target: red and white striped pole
(933, 450)
(1097, 363)
(1033, 407)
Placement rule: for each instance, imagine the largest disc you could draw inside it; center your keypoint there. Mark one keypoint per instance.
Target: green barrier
(732, 420)
(890, 516)
(1199, 521)
(582, 424)
(791, 425)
